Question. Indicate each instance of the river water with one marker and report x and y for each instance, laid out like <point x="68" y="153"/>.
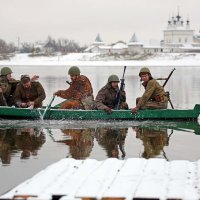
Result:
<point x="26" y="147"/>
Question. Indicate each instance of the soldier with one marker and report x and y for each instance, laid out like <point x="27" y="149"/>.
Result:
<point x="80" y="93"/>
<point x="106" y="97"/>
<point x="7" y="87"/>
<point x="29" y="93"/>
<point x="154" y="96"/>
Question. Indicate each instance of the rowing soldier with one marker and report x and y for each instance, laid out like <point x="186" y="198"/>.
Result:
<point x="154" y="96"/>
<point x="80" y="93"/>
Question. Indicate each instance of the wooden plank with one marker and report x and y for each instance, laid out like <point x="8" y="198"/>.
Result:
<point x="100" y="179"/>
<point x="153" y="181"/>
<point x="127" y="180"/>
<point x="69" y="185"/>
<point x="182" y="180"/>
<point x="134" y="178"/>
<point x="45" y="179"/>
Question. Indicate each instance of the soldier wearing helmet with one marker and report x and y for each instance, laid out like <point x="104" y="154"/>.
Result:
<point x="80" y="93"/>
<point x="7" y="87"/>
<point x="106" y="97"/>
<point x="29" y="93"/>
<point x="154" y="96"/>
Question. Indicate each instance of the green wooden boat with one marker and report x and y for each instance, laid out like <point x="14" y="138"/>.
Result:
<point x="59" y="114"/>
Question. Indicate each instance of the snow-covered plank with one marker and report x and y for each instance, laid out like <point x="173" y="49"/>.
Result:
<point x="128" y="179"/>
<point x="68" y="186"/>
<point x="100" y="179"/>
<point x="182" y="180"/>
<point x="153" y="182"/>
<point x="39" y="184"/>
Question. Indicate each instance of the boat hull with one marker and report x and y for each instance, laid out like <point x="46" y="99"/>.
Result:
<point x="60" y="114"/>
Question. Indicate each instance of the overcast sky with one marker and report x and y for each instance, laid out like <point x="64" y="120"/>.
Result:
<point x="82" y="20"/>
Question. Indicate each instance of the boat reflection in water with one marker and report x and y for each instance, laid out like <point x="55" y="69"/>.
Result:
<point x="26" y="141"/>
<point x="99" y="140"/>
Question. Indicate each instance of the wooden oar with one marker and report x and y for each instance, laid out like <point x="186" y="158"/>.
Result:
<point x="48" y="106"/>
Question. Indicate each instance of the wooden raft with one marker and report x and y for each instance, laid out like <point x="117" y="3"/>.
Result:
<point x="134" y="178"/>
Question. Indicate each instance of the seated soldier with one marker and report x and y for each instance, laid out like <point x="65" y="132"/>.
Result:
<point x="154" y="96"/>
<point x="29" y="93"/>
<point x="7" y="87"/>
<point x="106" y="98"/>
<point x="80" y="92"/>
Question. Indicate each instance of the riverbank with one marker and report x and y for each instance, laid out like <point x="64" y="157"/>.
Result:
<point x="89" y="59"/>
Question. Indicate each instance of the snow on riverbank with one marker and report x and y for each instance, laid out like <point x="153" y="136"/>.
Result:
<point x="91" y="59"/>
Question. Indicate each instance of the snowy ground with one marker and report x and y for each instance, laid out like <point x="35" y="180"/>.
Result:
<point x="90" y="59"/>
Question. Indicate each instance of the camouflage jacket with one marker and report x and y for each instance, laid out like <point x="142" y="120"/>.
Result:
<point x="79" y="89"/>
<point x="152" y="90"/>
<point x="35" y="93"/>
<point x="106" y="97"/>
<point x="8" y="88"/>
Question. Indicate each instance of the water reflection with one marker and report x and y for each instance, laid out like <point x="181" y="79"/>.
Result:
<point x="112" y="140"/>
<point x="27" y="141"/>
<point x="80" y="142"/>
<point x="154" y="140"/>
<point x="51" y="141"/>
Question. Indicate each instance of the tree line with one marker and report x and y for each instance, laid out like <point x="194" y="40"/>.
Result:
<point x="60" y="45"/>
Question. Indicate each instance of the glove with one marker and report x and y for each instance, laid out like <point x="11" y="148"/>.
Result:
<point x="108" y="110"/>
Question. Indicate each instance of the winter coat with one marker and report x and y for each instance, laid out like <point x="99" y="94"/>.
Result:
<point x="35" y="93"/>
<point x="153" y="92"/>
<point x="106" y="97"/>
<point x="8" y="88"/>
<point x="81" y="90"/>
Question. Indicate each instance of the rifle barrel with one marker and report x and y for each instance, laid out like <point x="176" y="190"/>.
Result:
<point x="166" y="83"/>
<point x="121" y="88"/>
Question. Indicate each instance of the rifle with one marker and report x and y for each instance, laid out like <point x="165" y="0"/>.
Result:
<point x="68" y="82"/>
<point x="120" y="89"/>
<point x="3" y="101"/>
<point x="167" y="79"/>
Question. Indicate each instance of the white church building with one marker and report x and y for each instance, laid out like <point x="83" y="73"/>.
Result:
<point x="177" y="37"/>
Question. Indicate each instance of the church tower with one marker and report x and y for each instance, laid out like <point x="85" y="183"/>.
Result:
<point x="178" y="32"/>
<point x="98" y="41"/>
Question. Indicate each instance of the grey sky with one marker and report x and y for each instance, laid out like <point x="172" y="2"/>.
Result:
<point x="81" y="20"/>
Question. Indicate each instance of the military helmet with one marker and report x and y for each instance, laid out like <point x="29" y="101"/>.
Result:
<point x="74" y="71"/>
<point x="5" y="71"/>
<point x="113" y="78"/>
<point x="144" y="70"/>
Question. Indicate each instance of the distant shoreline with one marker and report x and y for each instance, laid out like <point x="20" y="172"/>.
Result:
<point x="87" y="59"/>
